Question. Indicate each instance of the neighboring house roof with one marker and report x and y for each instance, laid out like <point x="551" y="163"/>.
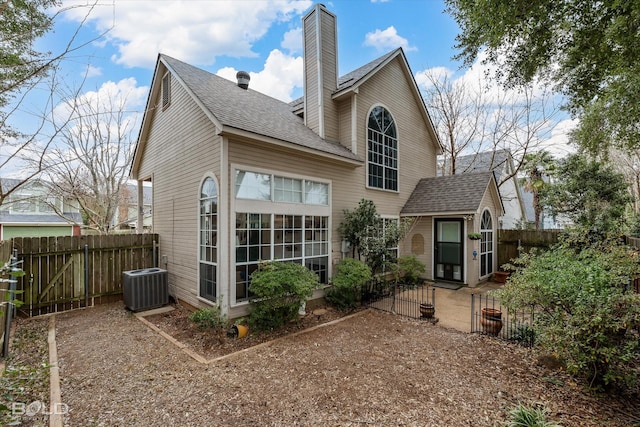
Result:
<point x="461" y="193"/>
<point x="48" y="219"/>
<point x="34" y="218"/>
<point x="481" y="162"/>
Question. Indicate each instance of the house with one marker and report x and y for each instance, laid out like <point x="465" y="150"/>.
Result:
<point x="126" y="217"/>
<point x="33" y="211"/>
<point x="239" y="177"/>
<point x="547" y="221"/>
<point x="500" y="162"/>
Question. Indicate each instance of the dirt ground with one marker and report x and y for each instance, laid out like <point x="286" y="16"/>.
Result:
<point x="371" y="369"/>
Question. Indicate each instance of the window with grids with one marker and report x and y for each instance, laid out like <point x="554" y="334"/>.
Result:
<point x="263" y="186"/>
<point x="486" y="244"/>
<point x="288" y="238"/>
<point x="208" y="239"/>
<point x="382" y="150"/>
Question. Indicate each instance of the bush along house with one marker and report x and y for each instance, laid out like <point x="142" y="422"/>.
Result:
<point x="239" y="177"/>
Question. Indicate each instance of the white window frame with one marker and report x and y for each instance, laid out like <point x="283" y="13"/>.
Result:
<point x="206" y="245"/>
<point x="384" y="155"/>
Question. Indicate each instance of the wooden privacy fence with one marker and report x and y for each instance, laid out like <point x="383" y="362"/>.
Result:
<point x="71" y="272"/>
<point x="512" y="242"/>
<point x="5" y="297"/>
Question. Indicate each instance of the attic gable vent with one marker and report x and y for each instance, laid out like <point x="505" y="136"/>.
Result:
<point x="166" y="92"/>
<point x="243" y="79"/>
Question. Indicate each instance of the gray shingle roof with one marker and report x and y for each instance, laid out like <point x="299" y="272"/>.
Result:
<point x="12" y="218"/>
<point x="351" y="78"/>
<point x="453" y="193"/>
<point x="481" y="162"/>
<point x="251" y="111"/>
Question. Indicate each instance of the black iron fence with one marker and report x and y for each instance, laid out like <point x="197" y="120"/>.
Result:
<point x="417" y="302"/>
<point x="490" y="318"/>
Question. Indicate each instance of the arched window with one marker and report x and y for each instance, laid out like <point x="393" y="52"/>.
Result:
<point x="382" y="150"/>
<point x="208" y="239"/>
<point x="486" y="244"/>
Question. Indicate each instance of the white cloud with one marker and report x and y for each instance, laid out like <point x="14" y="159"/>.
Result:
<point x="438" y="72"/>
<point x="388" y="39"/>
<point x="281" y="75"/>
<point x="292" y="40"/>
<point x="190" y="31"/>
<point x="92" y="71"/>
<point x="558" y="143"/>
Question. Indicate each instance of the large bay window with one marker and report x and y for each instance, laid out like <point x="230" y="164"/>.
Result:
<point x="300" y="235"/>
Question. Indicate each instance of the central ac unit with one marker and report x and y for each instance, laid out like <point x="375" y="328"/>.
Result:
<point x="145" y="289"/>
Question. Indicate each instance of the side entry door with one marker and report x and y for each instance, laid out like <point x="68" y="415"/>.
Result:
<point x="449" y="249"/>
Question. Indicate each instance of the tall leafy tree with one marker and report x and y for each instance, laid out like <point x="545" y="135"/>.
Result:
<point x="591" y="193"/>
<point x="588" y="48"/>
<point x="536" y="166"/>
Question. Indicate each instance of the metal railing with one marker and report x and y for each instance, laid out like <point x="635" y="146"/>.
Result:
<point x="490" y="318"/>
<point x="416" y="302"/>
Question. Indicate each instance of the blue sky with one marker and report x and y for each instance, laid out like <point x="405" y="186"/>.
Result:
<point x="120" y="39"/>
<point x="258" y="36"/>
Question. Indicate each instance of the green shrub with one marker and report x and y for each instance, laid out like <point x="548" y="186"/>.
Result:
<point x="522" y="416"/>
<point x="209" y="318"/>
<point x="347" y="283"/>
<point x="278" y="289"/>
<point x="410" y="269"/>
<point x="584" y="313"/>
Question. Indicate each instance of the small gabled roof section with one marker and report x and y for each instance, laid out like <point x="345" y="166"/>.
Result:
<point x="452" y="194"/>
<point x="246" y="112"/>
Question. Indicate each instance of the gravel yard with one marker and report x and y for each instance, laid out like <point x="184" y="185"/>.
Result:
<point x="371" y="369"/>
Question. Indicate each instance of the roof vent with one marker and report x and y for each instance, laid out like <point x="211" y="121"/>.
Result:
<point x="243" y="79"/>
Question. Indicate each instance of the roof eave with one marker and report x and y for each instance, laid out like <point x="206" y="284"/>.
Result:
<point x="228" y="130"/>
<point x="439" y="213"/>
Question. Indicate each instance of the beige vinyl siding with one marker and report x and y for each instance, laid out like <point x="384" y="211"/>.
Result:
<point x="329" y="75"/>
<point x="489" y="201"/>
<point x="422" y="226"/>
<point x="185" y="149"/>
<point x="344" y="128"/>
<point x="416" y="153"/>
<point x="311" y="117"/>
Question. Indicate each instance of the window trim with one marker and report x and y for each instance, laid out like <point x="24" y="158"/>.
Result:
<point x="397" y="150"/>
<point x="483" y="243"/>
<point x="273" y="175"/>
<point x="202" y="261"/>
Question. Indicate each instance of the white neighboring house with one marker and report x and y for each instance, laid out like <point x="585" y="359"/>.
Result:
<point x="500" y="162"/>
<point x="29" y="212"/>
<point x="547" y="221"/>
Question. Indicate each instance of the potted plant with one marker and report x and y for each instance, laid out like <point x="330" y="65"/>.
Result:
<point x="474" y="236"/>
<point x="500" y="276"/>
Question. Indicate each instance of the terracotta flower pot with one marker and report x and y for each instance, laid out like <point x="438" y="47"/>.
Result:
<point x="491" y="321"/>
<point x="500" y="276"/>
<point x="427" y="310"/>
